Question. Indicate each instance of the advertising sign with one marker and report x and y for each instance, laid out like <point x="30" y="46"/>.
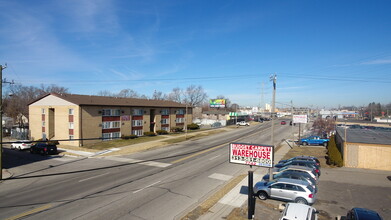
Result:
<point x="300" y="119"/>
<point x="217" y="103"/>
<point x="251" y="154"/>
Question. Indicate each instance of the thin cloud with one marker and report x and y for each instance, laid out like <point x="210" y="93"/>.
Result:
<point x="380" y="61"/>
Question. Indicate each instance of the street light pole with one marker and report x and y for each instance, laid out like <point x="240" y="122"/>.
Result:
<point x="274" y="79"/>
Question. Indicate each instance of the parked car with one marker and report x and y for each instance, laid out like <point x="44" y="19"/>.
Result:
<point x="314" y="140"/>
<point x="242" y="123"/>
<point x="21" y="145"/>
<point x="308" y="170"/>
<point x="286" y="189"/>
<point x="304" y="163"/>
<point x="283" y="122"/>
<point x="43" y="148"/>
<point x="294" y="175"/>
<point x="294" y="211"/>
<point x="360" y="214"/>
<point x="309" y="158"/>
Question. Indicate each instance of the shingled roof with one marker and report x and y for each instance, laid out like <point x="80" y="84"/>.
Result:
<point x="113" y="101"/>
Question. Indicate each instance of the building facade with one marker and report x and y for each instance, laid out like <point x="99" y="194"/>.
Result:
<point x="83" y="119"/>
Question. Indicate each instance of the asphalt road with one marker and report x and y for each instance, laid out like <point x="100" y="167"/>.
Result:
<point x="164" y="183"/>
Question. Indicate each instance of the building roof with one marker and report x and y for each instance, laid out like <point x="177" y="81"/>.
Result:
<point x="366" y="136"/>
<point x="112" y="101"/>
<point x="220" y="112"/>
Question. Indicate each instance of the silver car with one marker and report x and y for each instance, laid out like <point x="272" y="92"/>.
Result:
<point x="285" y="189"/>
<point x="308" y="170"/>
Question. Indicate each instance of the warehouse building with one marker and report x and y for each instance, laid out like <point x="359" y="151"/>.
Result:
<point x="365" y="148"/>
<point x="83" y="119"/>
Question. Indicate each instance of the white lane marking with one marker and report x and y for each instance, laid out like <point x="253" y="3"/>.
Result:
<point x="214" y="157"/>
<point x="93" y="177"/>
<point x="220" y="176"/>
<point x="146" y="187"/>
<point x="143" y="162"/>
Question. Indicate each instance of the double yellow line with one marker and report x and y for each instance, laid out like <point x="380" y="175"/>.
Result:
<point x="24" y="214"/>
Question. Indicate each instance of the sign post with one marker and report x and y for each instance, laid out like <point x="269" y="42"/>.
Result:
<point x="253" y="155"/>
<point x="301" y="119"/>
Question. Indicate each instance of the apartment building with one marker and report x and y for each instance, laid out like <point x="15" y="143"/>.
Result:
<point x="83" y="119"/>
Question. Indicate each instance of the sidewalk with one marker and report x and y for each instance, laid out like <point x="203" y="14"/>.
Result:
<point x="6" y="174"/>
<point x="236" y="198"/>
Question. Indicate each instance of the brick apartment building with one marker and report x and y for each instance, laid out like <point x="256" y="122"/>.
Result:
<point x="82" y="119"/>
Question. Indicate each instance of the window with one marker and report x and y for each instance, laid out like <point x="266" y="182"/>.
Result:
<point x="108" y="136"/>
<point x="180" y="120"/>
<point x="165" y="121"/>
<point x="110" y="124"/>
<point x="138" y="112"/>
<point x="71" y="125"/>
<point x="43" y="124"/>
<point x="136" y="123"/>
<point x="71" y="137"/>
<point x="111" y="112"/>
<point x="278" y="186"/>
<point x="165" y="112"/>
<point x="166" y="129"/>
<point x="137" y="132"/>
<point x="181" y="112"/>
<point x="71" y="111"/>
<point x="43" y="111"/>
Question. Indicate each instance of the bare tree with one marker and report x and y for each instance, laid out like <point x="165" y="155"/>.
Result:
<point x="19" y="97"/>
<point x="175" y="95"/>
<point x="105" y="93"/>
<point x="128" y="93"/>
<point x="157" y="95"/>
<point x="195" y="95"/>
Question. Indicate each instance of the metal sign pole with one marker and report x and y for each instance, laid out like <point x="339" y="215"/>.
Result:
<point x="251" y="202"/>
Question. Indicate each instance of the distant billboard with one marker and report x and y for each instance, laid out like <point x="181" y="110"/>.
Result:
<point x="217" y="103"/>
<point x="251" y="154"/>
<point x="300" y="119"/>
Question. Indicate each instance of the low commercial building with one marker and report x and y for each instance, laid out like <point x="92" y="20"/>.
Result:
<point x="365" y="148"/>
<point x="83" y="119"/>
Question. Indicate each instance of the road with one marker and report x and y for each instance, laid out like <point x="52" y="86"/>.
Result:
<point x="165" y="183"/>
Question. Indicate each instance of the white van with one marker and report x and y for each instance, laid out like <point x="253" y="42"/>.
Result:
<point x="296" y="211"/>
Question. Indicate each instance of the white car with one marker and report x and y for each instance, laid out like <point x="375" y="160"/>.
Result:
<point x="21" y="145"/>
<point x="295" y="211"/>
<point x="243" y="123"/>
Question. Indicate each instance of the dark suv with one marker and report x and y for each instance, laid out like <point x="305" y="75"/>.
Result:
<point x="360" y="214"/>
<point x="43" y="148"/>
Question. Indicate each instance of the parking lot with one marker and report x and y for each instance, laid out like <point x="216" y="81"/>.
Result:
<point x="341" y="189"/>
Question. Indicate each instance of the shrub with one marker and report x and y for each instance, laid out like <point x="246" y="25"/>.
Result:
<point x="193" y="126"/>
<point x="334" y="156"/>
<point x="161" y="132"/>
<point x="177" y="129"/>
<point x="127" y="137"/>
<point x="149" y="133"/>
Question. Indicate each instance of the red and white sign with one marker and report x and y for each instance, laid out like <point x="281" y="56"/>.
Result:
<point x="300" y="119"/>
<point x="251" y="154"/>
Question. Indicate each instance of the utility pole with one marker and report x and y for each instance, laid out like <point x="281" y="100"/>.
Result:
<point x="274" y="79"/>
<point x="1" y="117"/>
<point x="1" y="120"/>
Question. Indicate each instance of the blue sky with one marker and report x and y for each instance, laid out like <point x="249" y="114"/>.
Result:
<point x="325" y="53"/>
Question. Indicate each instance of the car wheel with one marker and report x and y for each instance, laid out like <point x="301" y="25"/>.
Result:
<point x="262" y="195"/>
<point x="325" y="144"/>
<point x="305" y="143"/>
<point x="42" y="152"/>
<point x="301" y="201"/>
<point x="20" y="149"/>
<point x="31" y="151"/>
